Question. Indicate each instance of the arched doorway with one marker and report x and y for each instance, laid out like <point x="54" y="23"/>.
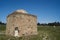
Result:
<point x="16" y="32"/>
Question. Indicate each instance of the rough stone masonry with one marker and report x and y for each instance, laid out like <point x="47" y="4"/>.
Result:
<point x="19" y="23"/>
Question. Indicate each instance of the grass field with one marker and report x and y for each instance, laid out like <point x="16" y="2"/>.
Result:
<point x="44" y="33"/>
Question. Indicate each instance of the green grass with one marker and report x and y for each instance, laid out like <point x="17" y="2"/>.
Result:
<point x="2" y="27"/>
<point x="53" y="33"/>
<point x="44" y="32"/>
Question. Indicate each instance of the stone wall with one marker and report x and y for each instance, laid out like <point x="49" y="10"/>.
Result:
<point x="26" y="23"/>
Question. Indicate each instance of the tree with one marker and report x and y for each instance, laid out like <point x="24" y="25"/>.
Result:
<point x="38" y="23"/>
<point x="0" y="22"/>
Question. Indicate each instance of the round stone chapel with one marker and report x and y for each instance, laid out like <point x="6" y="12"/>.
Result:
<point x="20" y="23"/>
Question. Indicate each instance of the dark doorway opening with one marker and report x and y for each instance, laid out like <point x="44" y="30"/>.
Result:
<point x="16" y="28"/>
<point x="16" y="32"/>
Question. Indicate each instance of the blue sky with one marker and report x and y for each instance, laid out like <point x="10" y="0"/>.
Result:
<point x="45" y="10"/>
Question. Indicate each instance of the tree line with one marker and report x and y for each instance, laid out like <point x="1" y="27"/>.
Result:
<point x="49" y="24"/>
<point x="1" y="23"/>
<point x="39" y="24"/>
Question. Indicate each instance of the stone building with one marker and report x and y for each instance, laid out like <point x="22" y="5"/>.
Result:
<point x="19" y="23"/>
